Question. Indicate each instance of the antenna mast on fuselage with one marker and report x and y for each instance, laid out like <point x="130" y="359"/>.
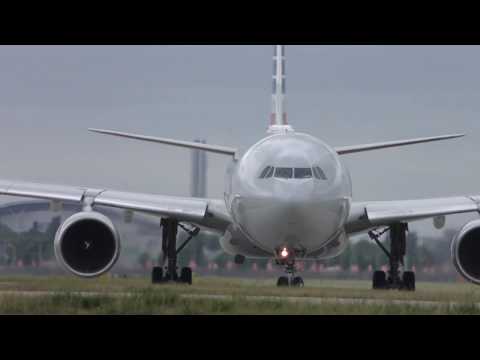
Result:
<point x="278" y="117"/>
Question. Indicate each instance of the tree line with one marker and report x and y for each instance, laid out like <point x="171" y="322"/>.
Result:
<point x="31" y="247"/>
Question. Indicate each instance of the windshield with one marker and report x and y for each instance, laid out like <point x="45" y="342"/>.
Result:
<point x="303" y="173"/>
<point x="284" y="173"/>
<point x="267" y="172"/>
<point x="319" y="174"/>
<point x="292" y="173"/>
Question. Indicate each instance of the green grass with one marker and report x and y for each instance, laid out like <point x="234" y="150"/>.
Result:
<point x="107" y="295"/>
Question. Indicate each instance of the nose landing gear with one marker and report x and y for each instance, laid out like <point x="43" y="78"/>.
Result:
<point x="289" y="280"/>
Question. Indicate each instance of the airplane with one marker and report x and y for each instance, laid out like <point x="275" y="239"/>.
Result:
<point x="287" y="198"/>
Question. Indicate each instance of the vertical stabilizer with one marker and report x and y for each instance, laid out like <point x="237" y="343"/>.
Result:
<point x="278" y="117"/>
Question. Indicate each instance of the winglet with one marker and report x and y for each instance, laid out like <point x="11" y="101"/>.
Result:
<point x="383" y="145"/>
<point x="186" y="144"/>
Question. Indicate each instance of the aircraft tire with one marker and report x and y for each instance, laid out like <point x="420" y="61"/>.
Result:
<point x="298" y="282"/>
<point x="379" y="280"/>
<point x="186" y="275"/>
<point x="282" y="281"/>
<point x="157" y="275"/>
<point x="409" y="280"/>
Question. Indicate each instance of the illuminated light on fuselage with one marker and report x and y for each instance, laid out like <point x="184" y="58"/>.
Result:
<point x="284" y="252"/>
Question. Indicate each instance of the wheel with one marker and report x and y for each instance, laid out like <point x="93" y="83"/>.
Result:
<point x="379" y="280"/>
<point x="157" y="275"/>
<point x="186" y="275"/>
<point x="282" y="281"/>
<point x="297" y="282"/>
<point x="409" y="280"/>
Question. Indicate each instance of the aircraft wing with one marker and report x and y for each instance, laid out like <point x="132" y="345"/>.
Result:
<point x="367" y="215"/>
<point x="209" y="213"/>
<point x="390" y="144"/>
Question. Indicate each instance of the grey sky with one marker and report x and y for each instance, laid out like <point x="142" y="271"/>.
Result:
<point x="344" y="95"/>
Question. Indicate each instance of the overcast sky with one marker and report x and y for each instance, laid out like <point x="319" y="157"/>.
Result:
<point x="343" y="95"/>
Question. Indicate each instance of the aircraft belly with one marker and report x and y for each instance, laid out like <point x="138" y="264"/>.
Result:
<point x="235" y="242"/>
<point x="331" y="248"/>
<point x="271" y="225"/>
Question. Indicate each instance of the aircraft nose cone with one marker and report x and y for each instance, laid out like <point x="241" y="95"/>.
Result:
<point x="294" y="194"/>
<point x="293" y="219"/>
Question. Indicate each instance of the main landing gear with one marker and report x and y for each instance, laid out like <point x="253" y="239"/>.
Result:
<point x="289" y="280"/>
<point x="392" y="279"/>
<point x="170" y="254"/>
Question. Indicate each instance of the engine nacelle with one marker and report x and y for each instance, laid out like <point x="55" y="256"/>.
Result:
<point x="465" y="249"/>
<point x="87" y="244"/>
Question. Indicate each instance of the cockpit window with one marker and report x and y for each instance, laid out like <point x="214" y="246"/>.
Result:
<point x="303" y="173"/>
<point x="284" y="173"/>
<point x="319" y="174"/>
<point x="293" y="173"/>
<point x="265" y="172"/>
<point x="270" y="172"/>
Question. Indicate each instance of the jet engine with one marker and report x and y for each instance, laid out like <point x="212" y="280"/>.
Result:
<point x="87" y="244"/>
<point x="465" y="249"/>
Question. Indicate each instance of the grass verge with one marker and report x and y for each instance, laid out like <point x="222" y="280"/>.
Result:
<point x="61" y="295"/>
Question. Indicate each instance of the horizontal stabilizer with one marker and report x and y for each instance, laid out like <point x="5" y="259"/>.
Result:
<point x="383" y="145"/>
<point x="186" y="144"/>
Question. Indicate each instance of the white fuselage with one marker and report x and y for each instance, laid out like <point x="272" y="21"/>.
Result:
<point x="290" y="190"/>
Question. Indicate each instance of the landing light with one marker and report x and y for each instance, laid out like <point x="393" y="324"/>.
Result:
<point x="284" y="252"/>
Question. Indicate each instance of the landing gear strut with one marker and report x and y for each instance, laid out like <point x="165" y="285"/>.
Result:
<point x="396" y="256"/>
<point x="170" y="254"/>
<point x="290" y="279"/>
